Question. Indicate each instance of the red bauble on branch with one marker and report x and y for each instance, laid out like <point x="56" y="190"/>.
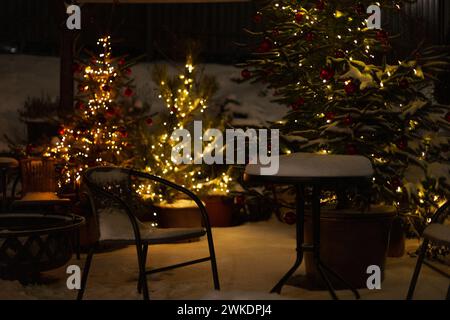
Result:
<point x="310" y="36"/>
<point x="351" y="149"/>
<point x="265" y="46"/>
<point x="80" y="105"/>
<point x="320" y="5"/>
<point x="246" y="74"/>
<point x="330" y="115"/>
<point x="395" y="183"/>
<point x="128" y="92"/>
<point x="298" y="17"/>
<point x="257" y="18"/>
<point x="348" y="120"/>
<point x="402" y="143"/>
<point x="149" y="121"/>
<point x="326" y="73"/>
<point x="350" y="88"/>
<point x="447" y="116"/>
<point x="339" y="54"/>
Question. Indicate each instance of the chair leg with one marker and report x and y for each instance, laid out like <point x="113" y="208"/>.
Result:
<point x="84" y="277"/>
<point x="142" y="274"/>
<point x="419" y="263"/>
<point x="141" y="278"/>
<point x="212" y="254"/>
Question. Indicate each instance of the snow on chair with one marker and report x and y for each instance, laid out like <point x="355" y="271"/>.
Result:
<point x="437" y="232"/>
<point x="110" y="192"/>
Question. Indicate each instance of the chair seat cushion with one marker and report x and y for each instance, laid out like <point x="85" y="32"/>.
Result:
<point x="115" y="225"/>
<point x="311" y="165"/>
<point x="438" y="233"/>
<point x="40" y="196"/>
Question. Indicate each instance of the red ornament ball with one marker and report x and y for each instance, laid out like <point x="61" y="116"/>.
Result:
<point x="351" y="149"/>
<point x="309" y="36"/>
<point x="298" y="17"/>
<point x="402" y="143"/>
<point x="257" y="18"/>
<point x="110" y="112"/>
<point x="81" y="88"/>
<point x="330" y="115"/>
<point x="348" y="120"/>
<point x="290" y="217"/>
<point x="396" y="182"/>
<point x="320" y="5"/>
<point x="246" y="74"/>
<point x="326" y="73"/>
<point x="447" y="116"/>
<point x="123" y="132"/>
<point x="128" y="92"/>
<point x="265" y="46"/>
<point x="149" y="121"/>
<point x="61" y="131"/>
<point x="80" y="105"/>
<point x="339" y="54"/>
<point x="350" y="88"/>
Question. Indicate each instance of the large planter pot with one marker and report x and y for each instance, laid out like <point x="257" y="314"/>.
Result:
<point x="397" y="239"/>
<point x="180" y="214"/>
<point x="220" y="210"/>
<point x="186" y="214"/>
<point x="350" y="241"/>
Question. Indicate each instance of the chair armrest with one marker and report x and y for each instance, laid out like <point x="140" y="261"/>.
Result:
<point x="175" y="186"/>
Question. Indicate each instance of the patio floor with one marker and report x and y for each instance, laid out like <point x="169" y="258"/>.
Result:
<point x="251" y="258"/>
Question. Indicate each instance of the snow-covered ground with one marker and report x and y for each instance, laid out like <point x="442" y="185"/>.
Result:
<point x="251" y="259"/>
<point x="23" y="76"/>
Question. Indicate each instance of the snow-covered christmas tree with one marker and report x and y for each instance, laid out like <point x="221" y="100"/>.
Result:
<point x="348" y="95"/>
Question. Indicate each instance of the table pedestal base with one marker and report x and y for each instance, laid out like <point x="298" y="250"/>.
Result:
<point x="324" y="271"/>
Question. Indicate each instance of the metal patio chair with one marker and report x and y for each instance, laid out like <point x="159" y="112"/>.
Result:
<point x="437" y="233"/>
<point x="110" y="192"/>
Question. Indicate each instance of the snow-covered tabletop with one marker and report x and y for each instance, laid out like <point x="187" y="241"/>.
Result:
<point x="311" y="165"/>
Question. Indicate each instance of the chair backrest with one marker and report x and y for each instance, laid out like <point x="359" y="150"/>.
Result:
<point x="111" y="194"/>
<point x="38" y="175"/>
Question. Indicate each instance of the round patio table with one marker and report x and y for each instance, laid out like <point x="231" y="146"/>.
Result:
<point x="316" y="171"/>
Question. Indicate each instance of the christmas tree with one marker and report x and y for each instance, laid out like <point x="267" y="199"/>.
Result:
<point x="186" y="97"/>
<point x="98" y="131"/>
<point x="348" y="95"/>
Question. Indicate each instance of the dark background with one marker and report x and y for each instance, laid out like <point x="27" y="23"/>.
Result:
<point x="159" y="30"/>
